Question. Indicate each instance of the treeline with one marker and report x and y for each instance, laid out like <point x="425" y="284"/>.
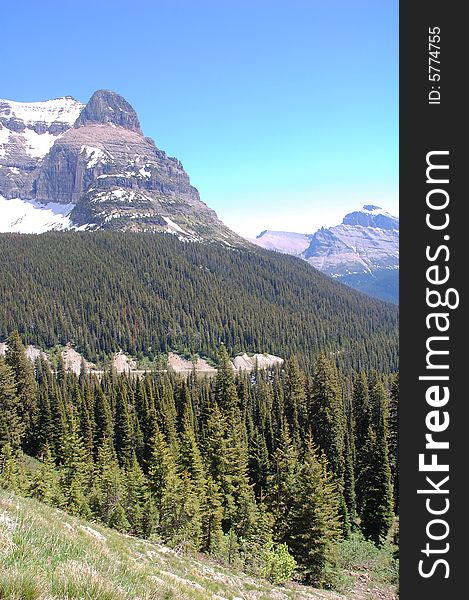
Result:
<point x="229" y="465"/>
<point x="150" y="294"/>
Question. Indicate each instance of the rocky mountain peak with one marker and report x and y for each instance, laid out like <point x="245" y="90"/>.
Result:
<point x="108" y="108"/>
<point x="371" y="216"/>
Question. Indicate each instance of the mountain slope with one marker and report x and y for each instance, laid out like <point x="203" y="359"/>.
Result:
<point x="91" y="167"/>
<point x="46" y="553"/>
<point x="362" y="252"/>
<point x="106" y="291"/>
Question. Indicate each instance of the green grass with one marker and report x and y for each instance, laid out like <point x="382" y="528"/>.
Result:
<point x="46" y="554"/>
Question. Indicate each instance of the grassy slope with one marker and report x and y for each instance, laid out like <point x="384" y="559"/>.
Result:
<point x="46" y="554"/>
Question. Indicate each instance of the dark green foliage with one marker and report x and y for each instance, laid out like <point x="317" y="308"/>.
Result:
<point x="224" y="465"/>
<point x="329" y="427"/>
<point x="361" y="427"/>
<point x="123" y="432"/>
<point x="394" y="438"/>
<point x="11" y="424"/>
<point x="148" y="293"/>
<point x="46" y="482"/>
<point x="313" y="526"/>
<point x="377" y="500"/>
<point x="16" y="359"/>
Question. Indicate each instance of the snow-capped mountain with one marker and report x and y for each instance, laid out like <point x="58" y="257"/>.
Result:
<point x="363" y="251"/>
<point x="283" y="241"/>
<point x="65" y="165"/>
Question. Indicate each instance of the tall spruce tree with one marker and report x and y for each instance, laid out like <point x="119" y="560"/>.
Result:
<point x="75" y="469"/>
<point x="377" y="507"/>
<point x="11" y="424"/>
<point x="394" y="438"/>
<point x="15" y="357"/>
<point x="362" y="422"/>
<point x="313" y="527"/>
<point x="328" y="423"/>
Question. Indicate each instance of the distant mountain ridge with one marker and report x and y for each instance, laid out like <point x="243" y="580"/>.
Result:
<point x="66" y="165"/>
<point x="362" y="252"/>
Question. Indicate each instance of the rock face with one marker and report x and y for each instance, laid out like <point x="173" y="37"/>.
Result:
<point x="28" y="130"/>
<point x="106" y="107"/>
<point x="95" y="161"/>
<point x="362" y="252"/>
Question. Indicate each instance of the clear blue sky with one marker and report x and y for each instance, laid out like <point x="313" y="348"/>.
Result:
<point x="284" y="114"/>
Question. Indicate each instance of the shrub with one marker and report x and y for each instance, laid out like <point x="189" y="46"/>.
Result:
<point x="279" y="564"/>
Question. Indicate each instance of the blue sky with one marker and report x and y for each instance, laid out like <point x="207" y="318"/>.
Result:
<point x="284" y="114"/>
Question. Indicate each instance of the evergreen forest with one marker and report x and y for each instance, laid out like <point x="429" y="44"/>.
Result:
<point x="289" y="459"/>
<point x="151" y="294"/>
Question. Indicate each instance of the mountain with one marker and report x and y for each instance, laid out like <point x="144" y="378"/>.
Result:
<point x="65" y="165"/>
<point x="106" y="291"/>
<point x="283" y="241"/>
<point x="362" y="252"/>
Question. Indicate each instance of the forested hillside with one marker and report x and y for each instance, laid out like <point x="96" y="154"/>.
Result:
<point x="148" y="294"/>
<point x="274" y="462"/>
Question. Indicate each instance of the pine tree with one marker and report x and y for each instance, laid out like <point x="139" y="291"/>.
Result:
<point x="212" y="517"/>
<point x="123" y="434"/>
<point x="394" y="438"/>
<point x="377" y="508"/>
<point x="295" y="397"/>
<point x="46" y="482"/>
<point x="108" y="494"/>
<point x="313" y="524"/>
<point x="361" y="412"/>
<point x="328" y="424"/>
<point x="15" y="357"/>
<point x="283" y="481"/>
<point x="75" y="469"/>
<point x="13" y="474"/>
<point x="103" y="418"/>
<point x="59" y="421"/>
<point x="139" y="508"/>
<point x="11" y="425"/>
<point x="226" y="394"/>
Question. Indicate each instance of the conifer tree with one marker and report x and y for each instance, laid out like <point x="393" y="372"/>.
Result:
<point x="212" y="517"/>
<point x="393" y="443"/>
<point x="377" y="508"/>
<point x="108" y="494"/>
<point x="13" y="474"/>
<point x="11" y="425"/>
<point x="362" y="423"/>
<point x="123" y="434"/>
<point x="313" y="523"/>
<point x="138" y="505"/>
<point x="259" y="464"/>
<point x="283" y="481"/>
<point x="44" y="426"/>
<point x="295" y="396"/>
<point x="15" y="357"/>
<point x="59" y="421"/>
<point x="75" y="469"/>
<point x="46" y="482"/>
<point x="103" y="418"/>
<point x="328" y="424"/>
<point x="189" y="458"/>
<point x="226" y="394"/>
<point x="86" y="416"/>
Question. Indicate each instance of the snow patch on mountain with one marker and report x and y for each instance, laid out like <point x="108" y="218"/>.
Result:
<point x="28" y="216"/>
<point x="58" y="110"/>
<point x="94" y="156"/>
<point x="37" y="145"/>
<point x="174" y="226"/>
